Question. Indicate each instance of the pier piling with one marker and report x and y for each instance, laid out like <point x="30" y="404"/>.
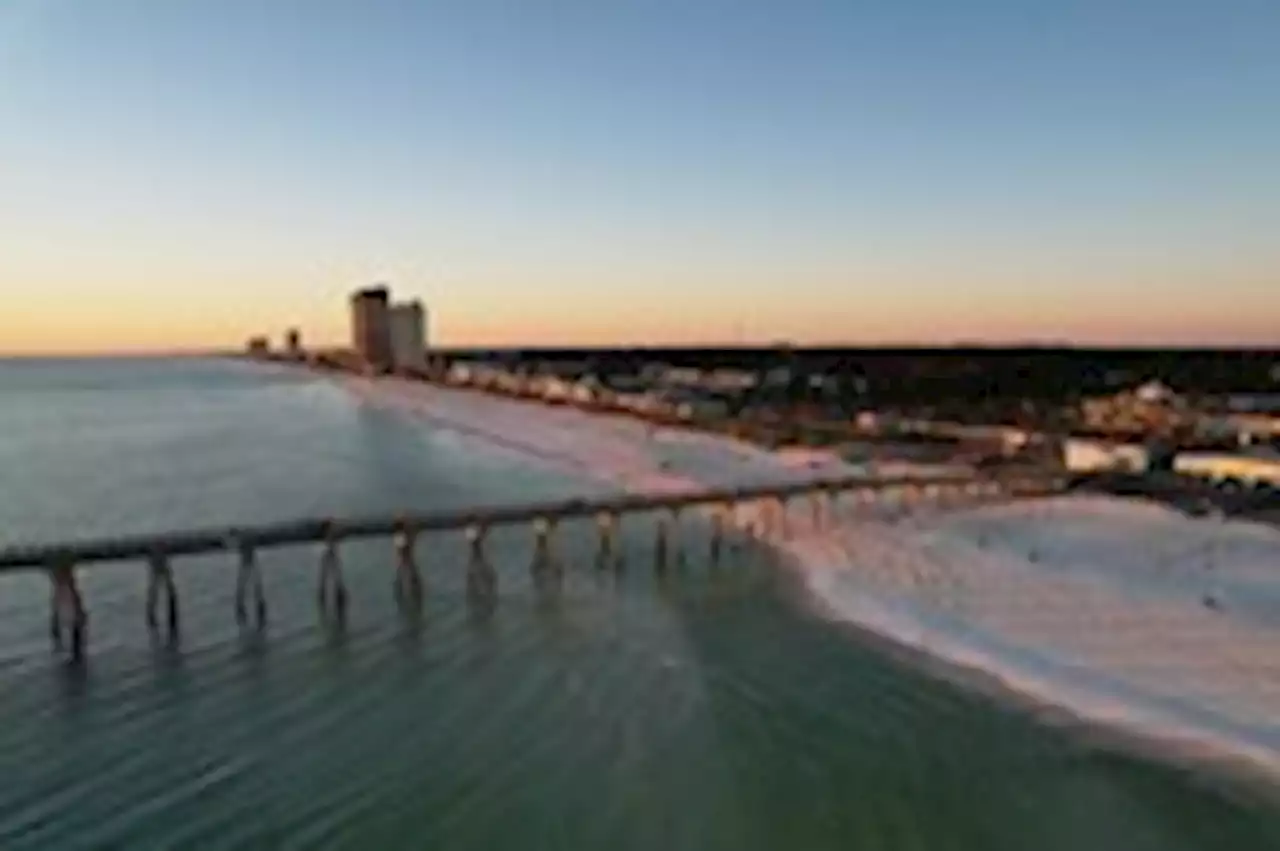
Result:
<point x="763" y="517"/>
<point x="67" y="605"/>
<point x="660" y="545"/>
<point x="331" y="583"/>
<point x="541" y="541"/>
<point x="607" y="524"/>
<point x="160" y="581"/>
<point x="482" y="581"/>
<point x="408" y="582"/>
<point x="718" y="518"/>
<point x="677" y="540"/>
<point x="475" y="534"/>
<point x="248" y="577"/>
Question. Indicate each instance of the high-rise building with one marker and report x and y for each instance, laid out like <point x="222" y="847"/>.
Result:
<point x="371" y="326"/>
<point x="408" y="335"/>
<point x="293" y="343"/>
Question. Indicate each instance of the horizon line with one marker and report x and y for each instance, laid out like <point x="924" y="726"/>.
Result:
<point x="955" y="345"/>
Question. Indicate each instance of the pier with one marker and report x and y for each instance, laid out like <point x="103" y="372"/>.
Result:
<point x="69" y="616"/>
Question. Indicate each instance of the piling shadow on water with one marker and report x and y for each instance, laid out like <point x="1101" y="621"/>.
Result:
<point x="335" y="635"/>
<point x="480" y="612"/>
<point x="253" y="647"/>
<point x="166" y="643"/>
<point x="73" y="680"/>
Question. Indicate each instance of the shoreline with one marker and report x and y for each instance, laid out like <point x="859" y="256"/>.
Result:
<point x="1236" y="776"/>
<point x="1044" y="697"/>
<point x="1233" y="773"/>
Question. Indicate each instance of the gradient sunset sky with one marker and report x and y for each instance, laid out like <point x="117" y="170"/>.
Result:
<point x="183" y="173"/>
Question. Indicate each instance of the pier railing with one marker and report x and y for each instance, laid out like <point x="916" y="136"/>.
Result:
<point x="61" y="560"/>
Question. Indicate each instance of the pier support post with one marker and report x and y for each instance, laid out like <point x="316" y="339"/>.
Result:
<point x="408" y="581"/>
<point x="763" y="519"/>
<point x="541" y="538"/>
<point x="67" y="606"/>
<point x="677" y="541"/>
<point x="740" y="532"/>
<point x="248" y="576"/>
<point x="783" y="505"/>
<point x="608" y="524"/>
<point x="547" y="570"/>
<point x="833" y="495"/>
<point x="331" y="576"/>
<point x="476" y="534"/>
<point x="543" y="528"/>
<point x="717" y="531"/>
<point x="660" y="543"/>
<point x="815" y="508"/>
<point x="160" y="580"/>
<point x="482" y="581"/>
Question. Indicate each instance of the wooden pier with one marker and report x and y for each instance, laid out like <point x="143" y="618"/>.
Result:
<point x="62" y="560"/>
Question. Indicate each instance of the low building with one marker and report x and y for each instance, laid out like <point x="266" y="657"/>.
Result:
<point x="701" y="409"/>
<point x="258" y="347"/>
<point x="1080" y="455"/>
<point x="868" y="421"/>
<point x="732" y="380"/>
<point x="584" y="393"/>
<point x="556" y="389"/>
<point x="1156" y="393"/>
<point x="1253" y="403"/>
<point x="1248" y="469"/>
<point x="1243" y="429"/>
<point x="1149" y="408"/>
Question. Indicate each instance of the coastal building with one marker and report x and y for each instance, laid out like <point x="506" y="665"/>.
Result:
<point x="1248" y="468"/>
<point x="1150" y="408"/>
<point x="407" y="324"/>
<point x="1240" y="429"/>
<point x="258" y="346"/>
<point x="293" y="343"/>
<point x="371" y="327"/>
<point x="1096" y="456"/>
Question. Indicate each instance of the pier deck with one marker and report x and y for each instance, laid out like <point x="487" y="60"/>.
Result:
<point x="69" y="616"/>
<point x="317" y="530"/>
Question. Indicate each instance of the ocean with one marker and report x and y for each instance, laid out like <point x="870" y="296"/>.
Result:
<point x="709" y="709"/>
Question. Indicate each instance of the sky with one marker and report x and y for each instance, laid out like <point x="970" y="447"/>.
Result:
<point x="181" y="174"/>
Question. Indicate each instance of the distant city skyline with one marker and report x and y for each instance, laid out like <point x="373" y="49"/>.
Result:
<point x="181" y="176"/>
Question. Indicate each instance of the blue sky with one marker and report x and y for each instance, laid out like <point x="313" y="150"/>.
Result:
<point x="182" y="173"/>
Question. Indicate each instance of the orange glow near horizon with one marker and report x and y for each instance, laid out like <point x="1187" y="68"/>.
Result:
<point x="199" y="328"/>
<point x="225" y="298"/>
